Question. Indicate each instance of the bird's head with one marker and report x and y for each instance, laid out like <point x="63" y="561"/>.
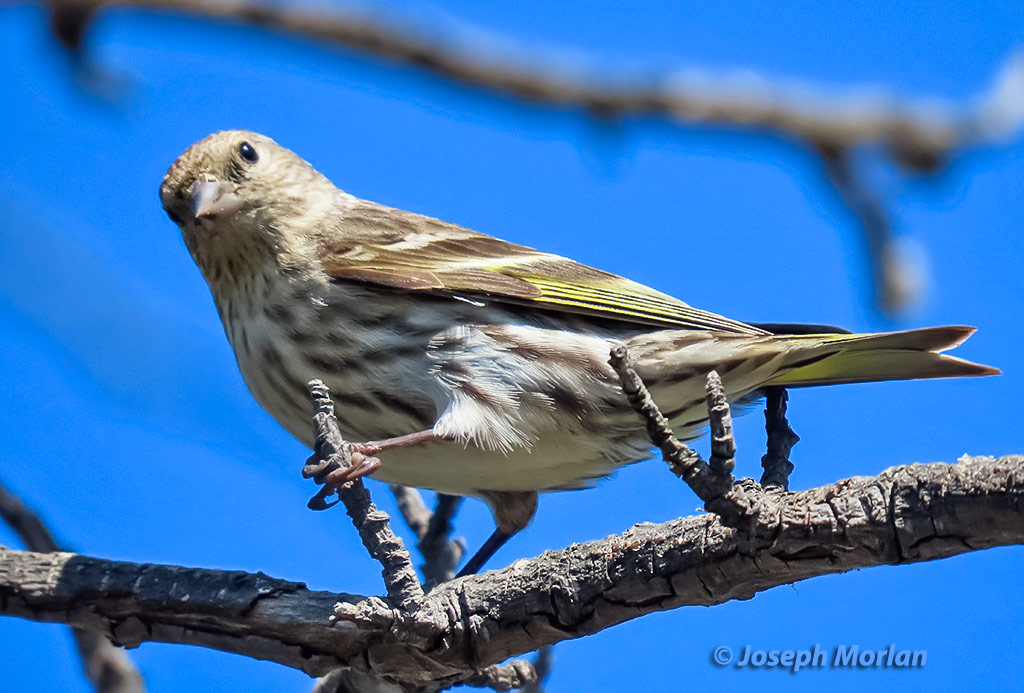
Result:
<point x="241" y="199"/>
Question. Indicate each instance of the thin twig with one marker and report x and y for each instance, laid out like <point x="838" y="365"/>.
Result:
<point x="353" y="680"/>
<point x="714" y="486"/>
<point x="894" y="282"/>
<point x="542" y="665"/>
<point x="26" y="524"/>
<point x="374" y="527"/>
<point x="781" y="439"/>
<point x="684" y="462"/>
<point x="330" y="683"/>
<point x="723" y="445"/>
<point x="504" y="677"/>
<point x="108" y="667"/>
<point x="441" y="554"/>
<point x="414" y="511"/>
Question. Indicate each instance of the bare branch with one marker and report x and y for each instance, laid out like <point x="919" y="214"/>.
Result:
<point x="723" y="445"/>
<point x="713" y="484"/>
<point x="414" y="510"/>
<point x="441" y="554"/>
<point x="542" y="664"/>
<point x="353" y="681"/>
<point x="129" y="603"/>
<point x="108" y="667"/>
<point x="334" y="454"/>
<point x="504" y="677"/>
<point x="893" y="282"/>
<point x="25" y="523"/>
<point x="781" y="440"/>
<point x="904" y="515"/>
<point x="920" y="136"/>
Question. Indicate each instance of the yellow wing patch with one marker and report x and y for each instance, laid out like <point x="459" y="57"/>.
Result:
<point x="631" y="301"/>
<point x="451" y="260"/>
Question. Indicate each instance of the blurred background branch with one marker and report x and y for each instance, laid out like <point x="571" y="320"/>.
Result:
<point x="917" y="136"/>
<point x="107" y="666"/>
<point x="441" y="554"/>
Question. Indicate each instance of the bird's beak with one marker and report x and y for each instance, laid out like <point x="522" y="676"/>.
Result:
<point x="211" y="199"/>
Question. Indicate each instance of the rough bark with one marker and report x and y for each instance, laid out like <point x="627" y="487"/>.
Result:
<point x="903" y="515"/>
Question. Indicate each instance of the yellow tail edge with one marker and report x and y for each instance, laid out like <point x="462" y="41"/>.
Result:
<point x="858" y="358"/>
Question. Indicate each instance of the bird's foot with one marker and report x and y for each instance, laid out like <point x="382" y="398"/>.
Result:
<point x="335" y="471"/>
<point x="355" y="461"/>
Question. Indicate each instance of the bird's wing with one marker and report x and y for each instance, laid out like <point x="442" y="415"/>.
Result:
<point x="407" y="251"/>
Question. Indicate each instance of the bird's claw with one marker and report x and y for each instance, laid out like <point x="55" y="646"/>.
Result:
<point x="334" y="471"/>
<point x="319" y="501"/>
<point x="317" y="466"/>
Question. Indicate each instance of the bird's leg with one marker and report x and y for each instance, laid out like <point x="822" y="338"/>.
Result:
<point x="375" y="447"/>
<point x="484" y="553"/>
<point x="512" y="510"/>
<point x="358" y="460"/>
<point x="362" y="460"/>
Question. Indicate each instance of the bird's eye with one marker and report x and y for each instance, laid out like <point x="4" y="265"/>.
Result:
<point x="248" y="152"/>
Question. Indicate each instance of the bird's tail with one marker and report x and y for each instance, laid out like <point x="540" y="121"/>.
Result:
<point x="829" y="359"/>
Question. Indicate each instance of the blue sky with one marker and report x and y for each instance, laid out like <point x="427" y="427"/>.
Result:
<point x="126" y="422"/>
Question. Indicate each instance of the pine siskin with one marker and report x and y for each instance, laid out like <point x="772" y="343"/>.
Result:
<point x="495" y="353"/>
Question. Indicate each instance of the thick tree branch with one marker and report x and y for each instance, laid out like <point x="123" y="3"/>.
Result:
<point x="903" y="515"/>
<point x="130" y="603"/>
